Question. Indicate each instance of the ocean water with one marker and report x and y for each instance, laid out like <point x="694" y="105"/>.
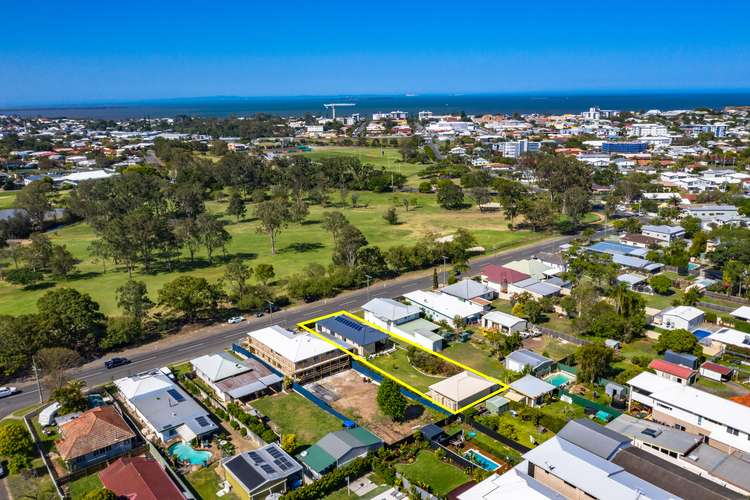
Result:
<point x="368" y="104"/>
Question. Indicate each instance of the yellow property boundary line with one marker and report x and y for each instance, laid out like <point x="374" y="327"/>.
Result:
<point x="304" y="325"/>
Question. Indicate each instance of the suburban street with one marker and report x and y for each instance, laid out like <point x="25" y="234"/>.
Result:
<point x="187" y="346"/>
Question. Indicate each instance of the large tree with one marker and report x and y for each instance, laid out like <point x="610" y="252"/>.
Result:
<point x="72" y="319"/>
<point x="679" y="340"/>
<point x="20" y="338"/>
<point x="273" y="215"/>
<point x="390" y="400"/>
<point x="133" y="299"/>
<point x="34" y="198"/>
<point x="191" y="296"/>
<point x="593" y="361"/>
<point x="236" y="277"/>
<point x="347" y="246"/>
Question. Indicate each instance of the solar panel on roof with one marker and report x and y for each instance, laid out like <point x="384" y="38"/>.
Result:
<point x="176" y="395"/>
<point x="267" y="468"/>
<point x="274" y="452"/>
<point x="202" y="421"/>
<point x="283" y="463"/>
<point x="256" y="458"/>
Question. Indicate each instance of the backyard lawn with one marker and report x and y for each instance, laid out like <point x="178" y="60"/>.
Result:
<point x="293" y="414"/>
<point x="79" y="487"/>
<point x="397" y="364"/>
<point x="206" y="483"/>
<point x="474" y="356"/>
<point x="38" y="488"/>
<point x="428" y="469"/>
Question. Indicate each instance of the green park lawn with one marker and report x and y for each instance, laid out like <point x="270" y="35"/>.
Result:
<point x="7" y="199"/>
<point x="293" y="414"/>
<point x="297" y="246"/>
<point x="388" y="158"/>
<point x="429" y="469"/>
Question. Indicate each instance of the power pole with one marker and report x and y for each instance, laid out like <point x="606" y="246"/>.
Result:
<point x="445" y="271"/>
<point x="36" y="376"/>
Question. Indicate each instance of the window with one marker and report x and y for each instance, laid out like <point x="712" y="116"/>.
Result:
<point x="733" y="431"/>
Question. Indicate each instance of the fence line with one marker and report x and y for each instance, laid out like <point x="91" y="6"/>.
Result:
<point x="728" y="298"/>
<point x="562" y="336"/>
<point x="716" y="307"/>
<point x="318" y="402"/>
<point x="37" y="443"/>
<point x="356" y="365"/>
<point x="592" y="405"/>
<point x="497" y="437"/>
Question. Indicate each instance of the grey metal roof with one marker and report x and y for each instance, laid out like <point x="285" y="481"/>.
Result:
<point x="389" y="309"/>
<point x="339" y="443"/>
<point x="527" y="357"/>
<point x="732" y="468"/>
<point x="352" y="330"/>
<point x="531" y="386"/>
<point x="543" y="289"/>
<point x="664" y="229"/>
<point x="466" y="289"/>
<point x="593" y="437"/>
<point x="654" y="434"/>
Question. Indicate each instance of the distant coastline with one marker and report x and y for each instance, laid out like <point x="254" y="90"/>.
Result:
<point x="368" y="104"/>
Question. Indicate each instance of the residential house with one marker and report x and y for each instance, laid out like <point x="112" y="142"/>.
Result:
<point x="523" y="359"/>
<point x="403" y="320"/>
<point x="471" y="291"/>
<point x="532" y="267"/>
<point x="681" y="318"/>
<point x="741" y="313"/>
<point x="553" y="261"/>
<point x="267" y="472"/>
<point x="724" y="338"/>
<point x="530" y="391"/>
<point x="674" y="372"/>
<point x="139" y="478"/>
<point x="725" y="424"/>
<point x="337" y="449"/>
<point x="164" y="408"/>
<point x="439" y="307"/>
<point x="499" y="277"/>
<point x="503" y="322"/>
<point x="537" y="289"/>
<point x="356" y="336"/>
<point x="512" y="485"/>
<point x="715" y="371"/>
<point x="640" y="240"/>
<point x="300" y="356"/>
<point x="461" y="390"/>
<point x="706" y="211"/>
<point x="95" y="436"/>
<point x="663" y="233"/>
<point x="233" y="379"/>
<point x="594" y="438"/>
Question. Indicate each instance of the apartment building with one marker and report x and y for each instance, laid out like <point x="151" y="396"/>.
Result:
<point x="723" y="423"/>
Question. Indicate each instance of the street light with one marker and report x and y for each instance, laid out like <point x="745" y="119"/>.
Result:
<point x="445" y="271"/>
<point x="270" y="307"/>
<point x="368" y="286"/>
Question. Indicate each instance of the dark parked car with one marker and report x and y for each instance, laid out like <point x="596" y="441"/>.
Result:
<point x="115" y="362"/>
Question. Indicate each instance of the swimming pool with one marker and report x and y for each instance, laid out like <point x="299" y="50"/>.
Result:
<point x="186" y="453"/>
<point x="559" y="379"/>
<point x="701" y="334"/>
<point x="485" y="463"/>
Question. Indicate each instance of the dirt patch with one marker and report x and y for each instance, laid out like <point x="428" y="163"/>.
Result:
<point x="357" y="400"/>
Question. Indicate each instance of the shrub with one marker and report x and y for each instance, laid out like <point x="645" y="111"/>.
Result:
<point x="425" y="187"/>
<point x="331" y="481"/>
<point x="709" y="317"/>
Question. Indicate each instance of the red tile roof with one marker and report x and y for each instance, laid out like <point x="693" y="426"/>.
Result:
<point x="723" y="370"/>
<point x="500" y="274"/>
<point x="92" y="430"/>
<point x="139" y="478"/>
<point x="665" y="366"/>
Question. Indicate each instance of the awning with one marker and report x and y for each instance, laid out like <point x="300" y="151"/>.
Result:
<point x="186" y="433"/>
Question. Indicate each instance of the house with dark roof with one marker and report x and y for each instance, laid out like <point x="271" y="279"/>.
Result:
<point x="594" y="438"/>
<point x="95" y="436"/>
<point x="715" y="371"/>
<point x="355" y="336"/>
<point x="139" y="478"/>
<point x="339" y="448"/>
<point x="267" y="472"/>
<point x="499" y="277"/>
<point x="471" y="291"/>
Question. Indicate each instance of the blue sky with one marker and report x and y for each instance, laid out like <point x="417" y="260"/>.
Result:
<point x="75" y="51"/>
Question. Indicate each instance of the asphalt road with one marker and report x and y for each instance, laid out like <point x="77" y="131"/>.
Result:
<point x="194" y="345"/>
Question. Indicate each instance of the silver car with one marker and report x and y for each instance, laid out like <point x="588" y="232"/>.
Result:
<point x="7" y="391"/>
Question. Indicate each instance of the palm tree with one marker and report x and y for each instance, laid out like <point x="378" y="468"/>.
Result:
<point x="619" y="293"/>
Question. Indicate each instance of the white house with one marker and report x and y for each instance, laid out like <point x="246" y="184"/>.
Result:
<point x="505" y="323"/>
<point x="724" y="423"/>
<point x="233" y="379"/>
<point x="403" y="320"/>
<point x="663" y="233"/>
<point x="164" y="408"/>
<point x="443" y="307"/>
<point x="521" y="359"/>
<point x="705" y="211"/>
<point x="471" y="291"/>
<point x="681" y="317"/>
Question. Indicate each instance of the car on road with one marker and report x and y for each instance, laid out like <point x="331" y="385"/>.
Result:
<point x="235" y="319"/>
<point x="115" y="362"/>
<point x="259" y="314"/>
<point x="7" y="391"/>
<point x="3" y="472"/>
